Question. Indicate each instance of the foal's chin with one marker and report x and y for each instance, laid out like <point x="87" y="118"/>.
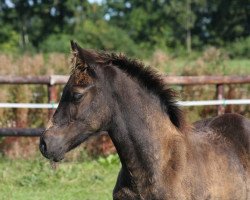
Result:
<point x="57" y="158"/>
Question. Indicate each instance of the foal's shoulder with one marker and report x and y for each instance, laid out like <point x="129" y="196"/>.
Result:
<point x="234" y="127"/>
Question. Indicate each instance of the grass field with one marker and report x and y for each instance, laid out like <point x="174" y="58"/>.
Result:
<point x="36" y="180"/>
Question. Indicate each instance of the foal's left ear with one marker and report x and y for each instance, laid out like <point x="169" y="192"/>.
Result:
<point x="87" y="57"/>
<point x="74" y="46"/>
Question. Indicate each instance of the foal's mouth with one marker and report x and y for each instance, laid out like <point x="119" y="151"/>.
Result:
<point x="54" y="157"/>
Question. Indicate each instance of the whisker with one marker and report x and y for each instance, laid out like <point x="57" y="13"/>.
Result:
<point x="53" y="164"/>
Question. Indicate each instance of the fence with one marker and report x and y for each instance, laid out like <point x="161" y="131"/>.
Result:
<point x="52" y="81"/>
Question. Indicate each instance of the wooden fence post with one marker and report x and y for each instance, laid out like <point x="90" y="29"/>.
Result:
<point x="220" y="96"/>
<point x="52" y="96"/>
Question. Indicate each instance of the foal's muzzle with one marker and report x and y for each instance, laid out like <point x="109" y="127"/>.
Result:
<point x="52" y="147"/>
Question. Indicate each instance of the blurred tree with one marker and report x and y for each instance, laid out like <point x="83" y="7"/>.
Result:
<point x="8" y="37"/>
<point x="164" y="24"/>
<point x="34" y="20"/>
<point x="223" y="21"/>
<point x="87" y="25"/>
<point x="160" y="22"/>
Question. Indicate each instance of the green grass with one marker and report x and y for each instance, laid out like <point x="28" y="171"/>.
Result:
<point x="239" y="67"/>
<point x="35" y="180"/>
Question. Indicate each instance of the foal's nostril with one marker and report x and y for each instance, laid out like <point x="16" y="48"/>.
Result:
<point x="43" y="147"/>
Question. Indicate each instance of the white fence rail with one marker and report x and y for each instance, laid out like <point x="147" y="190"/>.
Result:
<point x="180" y="103"/>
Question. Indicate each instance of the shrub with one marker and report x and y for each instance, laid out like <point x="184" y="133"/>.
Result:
<point x="56" y="43"/>
<point x="9" y="39"/>
<point x="100" y="35"/>
<point x="240" y="48"/>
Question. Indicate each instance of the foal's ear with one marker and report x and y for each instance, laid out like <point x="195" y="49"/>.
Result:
<point x="74" y="46"/>
<point x="87" y="57"/>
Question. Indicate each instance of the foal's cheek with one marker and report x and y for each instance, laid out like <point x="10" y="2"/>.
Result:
<point x="97" y="121"/>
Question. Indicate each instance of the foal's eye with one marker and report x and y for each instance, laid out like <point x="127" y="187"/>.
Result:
<point x="77" y="96"/>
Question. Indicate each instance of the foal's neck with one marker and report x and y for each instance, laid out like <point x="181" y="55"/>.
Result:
<point x="142" y="134"/>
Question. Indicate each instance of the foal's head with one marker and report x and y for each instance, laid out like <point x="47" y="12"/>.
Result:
<point x="83" y="109"/>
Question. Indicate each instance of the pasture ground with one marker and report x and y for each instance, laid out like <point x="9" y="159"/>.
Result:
<point x="36" y="180"/>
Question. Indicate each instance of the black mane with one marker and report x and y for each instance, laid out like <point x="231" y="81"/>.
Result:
<point x="153" y="81"/>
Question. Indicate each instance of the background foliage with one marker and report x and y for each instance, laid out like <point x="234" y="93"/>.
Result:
<point x="177" y="26"/>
